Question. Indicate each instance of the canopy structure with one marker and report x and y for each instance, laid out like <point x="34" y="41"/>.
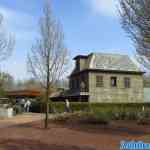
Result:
<point x="23" y="93"/>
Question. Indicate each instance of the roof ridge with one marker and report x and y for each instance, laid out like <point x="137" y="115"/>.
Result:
<point x="105" y="53"/>
<point x="112" y="61"/>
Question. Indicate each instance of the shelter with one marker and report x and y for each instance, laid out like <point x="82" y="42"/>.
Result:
<point x="23" y="93"/>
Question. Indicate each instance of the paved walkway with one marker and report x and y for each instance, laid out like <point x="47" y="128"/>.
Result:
<point x="20" y="119"/>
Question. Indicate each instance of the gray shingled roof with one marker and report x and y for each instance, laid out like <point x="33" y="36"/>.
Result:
<point x="111" y="62"/>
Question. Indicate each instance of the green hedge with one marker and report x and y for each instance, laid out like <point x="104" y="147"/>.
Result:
<point x="59" y="107"/>
<point x="115" y="111"/>
<point x="17" y="109"/>
<point x="37" y="107"/>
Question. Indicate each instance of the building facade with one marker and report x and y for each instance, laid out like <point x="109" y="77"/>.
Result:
<point x="104" y="78"/>
<point x="100" y="77"/>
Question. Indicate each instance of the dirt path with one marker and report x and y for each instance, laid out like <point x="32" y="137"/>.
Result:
<point x="27" y="133"/>
<point x="20" y="119"/>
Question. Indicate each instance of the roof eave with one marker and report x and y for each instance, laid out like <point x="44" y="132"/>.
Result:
<point x="108" y="71"/>
<point x="80" y="56"/>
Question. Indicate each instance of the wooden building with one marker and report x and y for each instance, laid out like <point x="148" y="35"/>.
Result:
<point x="105" y="78"/>
<point x="23" y="93"/>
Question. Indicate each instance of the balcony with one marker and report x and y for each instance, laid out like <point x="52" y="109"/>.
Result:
<point x="78" y="92"/>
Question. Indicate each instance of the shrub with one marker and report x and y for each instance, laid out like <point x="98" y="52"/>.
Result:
<point x="122" y="115"/>
<point x="37" y="107"/>
<point x="83" y="117"/>
<point x="57" y="107"/>
<point x="17" y="109"/>
<point x="80" y="106"/>
<point x="132" y="115"/>
<point x="117" y="111"/>
<point x="97" y="117"/>
<point x="143" y="118"/>
<point x="61" y="118"/>
<point x="101" y="117"/>
<point x="115" y="116"/>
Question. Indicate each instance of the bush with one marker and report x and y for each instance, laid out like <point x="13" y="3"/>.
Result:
<point x="57" y="107"/>
<point x="80" y="106"/>
<point x="143" y="118"/>
<point x="118" y="111"/>
<point x="101" y="117"/>
<point x="132" y="115"/>
<point x="83" y="117"/>
<point x="37" y="107"/>
<point x="17" y="109"/>
<point x="96" y="117"/>
<point x="61" y="118"/>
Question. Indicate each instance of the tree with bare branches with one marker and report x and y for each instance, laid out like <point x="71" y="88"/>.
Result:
<point x="6" y="47"/>
<point x="6" y="42"/>
<point x="48" y="57"/>
<point x="135" y="19"/>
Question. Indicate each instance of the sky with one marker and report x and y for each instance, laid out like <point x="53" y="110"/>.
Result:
<point x="88" y="25"/>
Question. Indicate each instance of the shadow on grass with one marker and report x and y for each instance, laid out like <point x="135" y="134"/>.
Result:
<point x="24" y="144"/>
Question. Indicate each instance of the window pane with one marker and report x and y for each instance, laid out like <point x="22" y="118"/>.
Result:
<point x="99" y="81"/>
<point x="113" y="81"/>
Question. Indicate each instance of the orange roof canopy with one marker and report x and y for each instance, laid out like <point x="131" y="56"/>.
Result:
<point x="23" y="93"/>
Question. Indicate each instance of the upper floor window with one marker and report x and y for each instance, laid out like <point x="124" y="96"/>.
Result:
<point x="99" y="81"/>
<point x="77" y="65"/>
<point x="114" y="81"/>
<point x="127" y="82"/>
<point x="82" y="86"/>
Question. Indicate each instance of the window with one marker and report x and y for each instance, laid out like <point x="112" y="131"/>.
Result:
<point x="114" y="81"/>
<point x="83" y="86"/>
<point x="73" y="83"/>
<point x="127" y="82"/>
<point x="99" y="81"/>
<point x="77" y="65"/>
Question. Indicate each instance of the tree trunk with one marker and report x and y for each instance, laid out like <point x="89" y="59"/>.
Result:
<point x="47" y="95"/>
<point x="46" y="114"/>
<point x="47" y="108"/>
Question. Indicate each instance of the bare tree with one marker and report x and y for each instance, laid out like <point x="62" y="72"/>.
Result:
<point x="48" y="57"/>
<point x="135" y="19"/>
<point x="6" y="42"/>
<point x="6" y="80"/>
<point x="6" y="47"/>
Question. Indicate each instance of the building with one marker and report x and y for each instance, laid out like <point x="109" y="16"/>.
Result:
<point x="100" y="77"/>
<point x="25" y="93"/>
<point x="147" y="94"/>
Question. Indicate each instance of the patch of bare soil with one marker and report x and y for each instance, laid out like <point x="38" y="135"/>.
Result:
<point x="70" y="135"/>
<point x="17" y="144"/>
